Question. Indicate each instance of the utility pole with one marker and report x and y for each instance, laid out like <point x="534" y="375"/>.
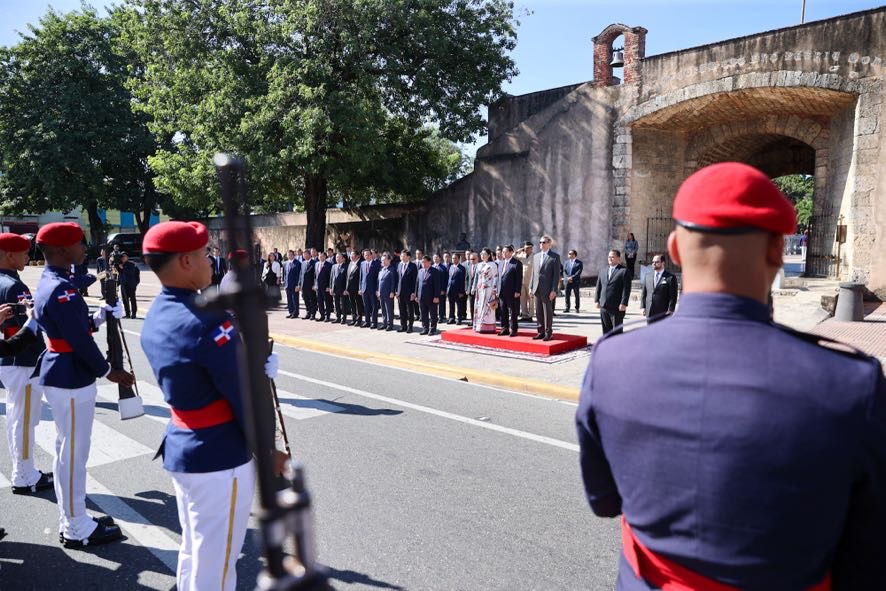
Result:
<point x="803" y="13"/>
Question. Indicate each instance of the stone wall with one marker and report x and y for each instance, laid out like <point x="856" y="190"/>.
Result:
<point x="508" y="112"/>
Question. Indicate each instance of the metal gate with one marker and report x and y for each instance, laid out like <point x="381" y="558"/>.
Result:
<point x="658" y="229"/>
<point x="821" y="260"/>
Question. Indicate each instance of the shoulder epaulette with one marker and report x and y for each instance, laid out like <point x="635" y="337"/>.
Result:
<point x="631" y="326"/>
<point x="825" y="342"/>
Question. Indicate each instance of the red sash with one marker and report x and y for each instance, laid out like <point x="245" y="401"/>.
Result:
<point x="667" y="575"/>
<point x="10" y="331"/>
<point x="214" y="413"/>
<point x="60" y="346"/>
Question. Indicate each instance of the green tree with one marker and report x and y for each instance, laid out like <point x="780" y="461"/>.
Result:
<point x="68" y="135"/>
<point x="328" y="100"/>
<point x="800" y="189"/>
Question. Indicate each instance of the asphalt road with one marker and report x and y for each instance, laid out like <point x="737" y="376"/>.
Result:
<point x="420" y="483"/>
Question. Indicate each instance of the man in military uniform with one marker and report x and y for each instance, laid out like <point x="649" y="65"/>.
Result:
<point x="23" y="392"/>
<point x="68" y="372"/>
<point x="743" y="454"/>
<point x="193" y="353"/>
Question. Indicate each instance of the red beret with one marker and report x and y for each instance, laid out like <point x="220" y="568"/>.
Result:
<point x="731" y="198"/>
<point x="175" y="237"/>
<point x="14" y="243"/>
<point x="239" y="253"/>
<point x="60" y="234"/>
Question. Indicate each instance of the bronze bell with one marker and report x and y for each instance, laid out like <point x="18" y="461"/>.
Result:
<point x="618" y="59"/>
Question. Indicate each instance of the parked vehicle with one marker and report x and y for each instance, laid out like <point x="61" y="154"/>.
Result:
<point x="129" y="242"/>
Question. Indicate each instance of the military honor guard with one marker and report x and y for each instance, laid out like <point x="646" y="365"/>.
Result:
<point x="193" y="354"/>
<point x="24" y="394"/>
<point x="428" y="286"/>
<point x="743" y="454"/>
<point x="68" y="372"/>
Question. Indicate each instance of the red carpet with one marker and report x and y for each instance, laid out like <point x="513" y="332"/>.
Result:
<point x="560" y="343"/>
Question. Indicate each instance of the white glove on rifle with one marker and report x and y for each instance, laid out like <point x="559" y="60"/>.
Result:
<point x="272" y="365"/>
<point x="101" y="314"/>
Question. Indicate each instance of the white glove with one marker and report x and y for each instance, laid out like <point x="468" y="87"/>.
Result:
<point x="116" y="309"/>
<point x="99" y="317"/>
<point x="101" y="314"/>
<point x="272" y="365"/>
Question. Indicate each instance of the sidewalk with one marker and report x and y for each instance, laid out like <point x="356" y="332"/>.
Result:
<point x="557" y="377"/>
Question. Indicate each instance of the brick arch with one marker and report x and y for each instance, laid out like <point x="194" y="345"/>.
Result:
<point x="634" y="52"/>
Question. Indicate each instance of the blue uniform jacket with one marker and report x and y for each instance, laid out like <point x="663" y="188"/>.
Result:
<point x="428" y="285"/>
<point x="387" y="282"/>
<point x="407" y="275"/>
<point x="291" y="274"/>
<point x="13" y="291"/>
<point x="456" y="280"/>
<point x="739" y="449"/>
<point x="369" y="276"/>
<point x="62" y="314"/>
<point x="194" y="357"/>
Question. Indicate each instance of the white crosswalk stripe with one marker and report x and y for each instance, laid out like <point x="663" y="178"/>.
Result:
<point x="300" y="407"/>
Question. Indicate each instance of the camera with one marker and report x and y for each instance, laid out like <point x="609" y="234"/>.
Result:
<point x="19" y="308"/>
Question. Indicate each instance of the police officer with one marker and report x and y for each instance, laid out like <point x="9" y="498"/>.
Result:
<point x="193" y="353"/>
<point x="68" y="371"/>
<point x="17" y="372"/>
<point x="742" y="455"/>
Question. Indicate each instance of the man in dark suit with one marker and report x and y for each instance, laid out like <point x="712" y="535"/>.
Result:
<point x="323" y="287"/>
<point x="419" y="256"/>
<point x="613" y="292"/>
<point x="339" y="285"/>
<point x="455" y="291"/>
<point x="471" y="280"/>
<point x="572" y="278"/>
<point x="291" y="278"/>
<point x="443" y="270"/>
<point x="352" y="286"/>
<point x="369" y="270"/>
<point x="308" y="282"/>
<point x="387" y="291"/>
<point x="427" y="293"/>
<point x="543" y="287"/>
<point x="511" y="284"/>
<point x="407" y="274"/>
<point x="219" y="266"/>
<point x="659" y="294"/>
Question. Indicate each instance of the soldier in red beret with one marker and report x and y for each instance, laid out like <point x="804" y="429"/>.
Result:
<point x="68" y="372"/>
<point x="23" y="392"/>
<point x="194" y="355"/>
<point x="743" y="454"/>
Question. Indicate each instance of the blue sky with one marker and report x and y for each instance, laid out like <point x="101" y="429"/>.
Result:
<point x="554" y="37"/>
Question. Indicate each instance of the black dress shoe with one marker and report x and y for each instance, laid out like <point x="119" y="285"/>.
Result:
<point x="401" y="329"/>
<point x="566" y="311"/>
<point x="409" y="330"/>
<point x="103" y="534"/>
<point x="515" y="334"/>
<point x="105" y="520"/>
<point x="43" y="483"/>
<point x="423" y="332"/>
<point x="432" y="332"/>
<point x="374" y="325"/>
<point x="389" y="329"/>
<point x="504" y="333"/>
<point x="548" y="337"/>
<point x="451" y="321"/>
<point x="538" y="337"/>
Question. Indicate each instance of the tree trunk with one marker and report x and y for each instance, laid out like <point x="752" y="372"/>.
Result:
<point x="96" y="226"/>
<point x="143" y="219"/>
<point x="316" y="193"/>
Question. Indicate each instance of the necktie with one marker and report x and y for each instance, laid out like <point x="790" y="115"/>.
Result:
<point x="657" y="277"/>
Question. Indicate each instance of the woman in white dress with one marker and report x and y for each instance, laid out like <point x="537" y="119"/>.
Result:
<point x="271" y="272"/>
<point x="486" y="280"/>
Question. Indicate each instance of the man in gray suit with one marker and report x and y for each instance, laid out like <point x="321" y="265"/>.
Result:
<point x="543" y="286"/>
<point x="471" y="279"/>
<point x="659" y="294"/>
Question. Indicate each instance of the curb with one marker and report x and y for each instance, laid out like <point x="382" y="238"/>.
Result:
<point x="523" y="385"/>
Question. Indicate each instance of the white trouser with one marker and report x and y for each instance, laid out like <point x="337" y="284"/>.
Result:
<point x="23" y="397"/>
<point x="72" y="411"/>
<point x="213" y="508"/>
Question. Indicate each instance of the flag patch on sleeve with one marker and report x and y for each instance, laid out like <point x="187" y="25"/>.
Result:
<point x="223" y="333"/>
<point x="67" y="296"/>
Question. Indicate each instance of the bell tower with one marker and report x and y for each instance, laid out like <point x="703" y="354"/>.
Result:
<point x="634" y="51"/>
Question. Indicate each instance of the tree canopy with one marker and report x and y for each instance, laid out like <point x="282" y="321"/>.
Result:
<point x="799" y="188"/>
<point x="68" y="134"/>
<point x="327" y="100"/>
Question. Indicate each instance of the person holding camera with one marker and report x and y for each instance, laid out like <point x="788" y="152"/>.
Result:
<point x="23" y="392"/>
<point x="129" y="277"/>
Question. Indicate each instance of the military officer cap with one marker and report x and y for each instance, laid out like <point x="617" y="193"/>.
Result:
<point x="60" y="234"/>
<point x="733" y="198"/>
<point x="239" y="253"/>
<point x="175" y="237"/>
<point x="14" y="243"/>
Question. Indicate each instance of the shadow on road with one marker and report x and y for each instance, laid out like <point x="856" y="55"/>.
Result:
<point x="348" y="409"/>
<point x="349" y="576"/>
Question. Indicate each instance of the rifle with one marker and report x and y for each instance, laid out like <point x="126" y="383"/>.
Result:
<point x="130" y="402"/>
<point x="285" y="515"/>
